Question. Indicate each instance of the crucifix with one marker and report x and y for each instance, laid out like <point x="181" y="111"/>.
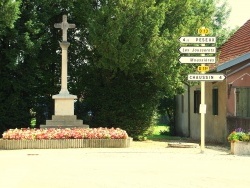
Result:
<point x="64" y="45"/>
<point x="64" y="101"/>
<point x="64" y="26"/>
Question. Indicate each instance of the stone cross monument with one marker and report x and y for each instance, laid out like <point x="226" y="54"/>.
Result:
<point x="64" y="45"/>
<point x="64" y="102"/>
<point x="64" y="26"/>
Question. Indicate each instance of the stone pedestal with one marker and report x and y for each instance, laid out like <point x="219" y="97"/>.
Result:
<point x="64" y="104"/>
<point x="64" y="113"/>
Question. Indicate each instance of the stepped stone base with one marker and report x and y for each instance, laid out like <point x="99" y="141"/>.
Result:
<point x="64" y="121"/>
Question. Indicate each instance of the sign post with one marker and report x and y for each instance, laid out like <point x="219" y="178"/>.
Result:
<point x="203" y="31"/>
<point x="202" y="59"/>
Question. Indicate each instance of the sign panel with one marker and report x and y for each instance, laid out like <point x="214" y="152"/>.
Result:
<point x="203" y="31"/>
<point x="203" y="108"/>
<point x="198" y="50"/>
<point x="194" y="59"/>
<point x="203" y="68"/>
<point x="206" y="77"/>
<point x="198" y="40"/>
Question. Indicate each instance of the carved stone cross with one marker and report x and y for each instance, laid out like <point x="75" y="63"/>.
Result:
<point x="64" y="26"/>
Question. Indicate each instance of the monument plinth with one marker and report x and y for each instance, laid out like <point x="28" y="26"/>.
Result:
<point x="64" y="102"/>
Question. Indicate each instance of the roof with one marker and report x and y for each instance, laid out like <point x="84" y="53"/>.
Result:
<point x="233" y="62"/>
<point x="237" y="45"/>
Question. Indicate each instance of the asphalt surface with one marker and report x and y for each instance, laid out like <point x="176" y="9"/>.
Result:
<point x="147" y="166"/>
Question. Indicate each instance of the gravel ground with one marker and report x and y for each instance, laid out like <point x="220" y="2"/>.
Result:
<point x="144" y="165"/>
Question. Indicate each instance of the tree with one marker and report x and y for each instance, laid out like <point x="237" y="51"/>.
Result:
<point x="132" y="53"/>
<point x="9" y="11"/>
<point x="29" y="62"/>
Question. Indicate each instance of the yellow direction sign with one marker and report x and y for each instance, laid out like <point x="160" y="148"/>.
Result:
<point x="203" y="31"/>
<point x="203" y="68"/>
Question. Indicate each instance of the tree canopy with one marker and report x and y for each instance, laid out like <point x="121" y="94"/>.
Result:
<point x="9" y="11"/>
<point x="123" y="57"/>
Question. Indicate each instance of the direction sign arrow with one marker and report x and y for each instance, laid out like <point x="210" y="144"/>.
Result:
<point x="194" y="59"/>
<point x="206" y="77"/>
<point x="198" y="40"/>
<point x="197" y="50"/>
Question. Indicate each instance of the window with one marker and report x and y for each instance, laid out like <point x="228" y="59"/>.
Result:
<point x="215" y="101"/>
<point x="197" y="100"/>
<point x="243" y="102"/>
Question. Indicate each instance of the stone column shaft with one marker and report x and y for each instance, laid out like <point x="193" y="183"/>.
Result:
<point x="64" y="72"/>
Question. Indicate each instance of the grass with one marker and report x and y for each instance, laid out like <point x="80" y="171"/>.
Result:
<point x="160" y="128"/>
<point x="162" y="133"/>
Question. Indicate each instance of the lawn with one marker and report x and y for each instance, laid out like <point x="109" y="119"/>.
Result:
<point x="162" y="133"/>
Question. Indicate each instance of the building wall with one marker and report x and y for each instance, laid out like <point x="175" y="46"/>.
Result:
<point x="238" y="79"/>
<point x="194" y="117"/>
<point x="182" y="114"/>
<point x="215" y="125"/>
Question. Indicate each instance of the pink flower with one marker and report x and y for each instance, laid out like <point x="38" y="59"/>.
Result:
<point x="68" y="133"/>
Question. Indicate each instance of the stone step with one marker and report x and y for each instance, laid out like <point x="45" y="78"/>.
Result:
<point x="62" y="122"/>
<point x="64" y="126"/>
<point x="64" y="118"/>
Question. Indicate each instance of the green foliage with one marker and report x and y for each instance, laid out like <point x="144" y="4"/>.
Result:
<point x="29" y="70"/>
<point x="33" y="123"/>
<point x="162" y="132"/>
<point x="123" y="58"/>
<point x="132" y="61"/>
<point x="239" y="135"/>
<point x="118" y="101"/>
<point x="9" y="11"/>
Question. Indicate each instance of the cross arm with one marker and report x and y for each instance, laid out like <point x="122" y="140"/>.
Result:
<point x="57" y="25"/>
<point x="72" y="26"/>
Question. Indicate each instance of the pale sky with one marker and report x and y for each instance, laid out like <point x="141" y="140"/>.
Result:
<point x="240" y="12"/>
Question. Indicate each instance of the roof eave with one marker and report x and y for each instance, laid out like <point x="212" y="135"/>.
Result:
<point x="233" y="62"/>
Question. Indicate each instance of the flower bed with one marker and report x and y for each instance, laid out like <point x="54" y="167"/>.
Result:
<point x="240" y="142"/>
<point x="64" y="138"/>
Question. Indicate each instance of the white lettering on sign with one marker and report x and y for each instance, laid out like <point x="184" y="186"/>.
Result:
<point x="202" y="59"/>
<point x="203" y="50"/>
<point x="200" y="77"/>
<point x="196" y="50"/>
<point x="205" y="39"/>
<point x="198" y="40"/>
<point x="206" y="77"/>
<point x="194" y="59"/>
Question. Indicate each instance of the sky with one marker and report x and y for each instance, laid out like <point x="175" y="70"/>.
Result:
<point x="240" y="12"/>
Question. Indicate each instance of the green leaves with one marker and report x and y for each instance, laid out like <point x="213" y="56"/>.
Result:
<point x="9" y="11"/>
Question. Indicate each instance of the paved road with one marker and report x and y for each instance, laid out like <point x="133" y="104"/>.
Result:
<point x="135" y="167"/>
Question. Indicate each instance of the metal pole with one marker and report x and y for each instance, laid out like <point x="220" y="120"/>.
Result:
<point x="202" y="107"/>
